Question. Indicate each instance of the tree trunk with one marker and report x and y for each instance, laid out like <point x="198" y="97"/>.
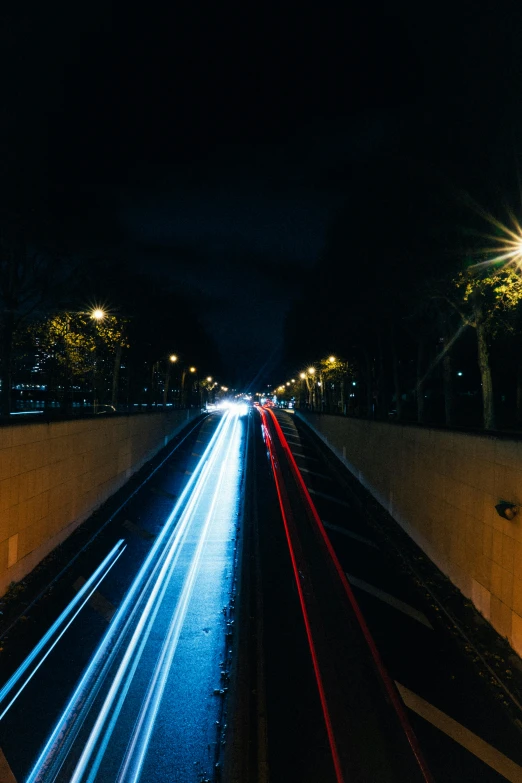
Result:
<point x="420" y="381"/>
<point x="150" y="386"/>
<point x="381" y="381"/>
<point x="396" y="373"/>
<point x="369" y="385"/>
<point x="447" y="380"/>
<point x="167" y="383"/>
<point x="7" y="359"/>
<point x="66" y="391"/>
<point x="519" y="394"/>
<point x="116" y="375"/>
<point x="488" y="404"/>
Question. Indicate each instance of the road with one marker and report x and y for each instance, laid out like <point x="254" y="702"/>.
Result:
<point x="141" y="696"/>
<point x="241" y="618"/>
<point x="463" y="731"/>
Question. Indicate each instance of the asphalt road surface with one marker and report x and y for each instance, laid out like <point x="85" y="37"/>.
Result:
<point x="239" y="618"/>
<point x="126" y="682"/>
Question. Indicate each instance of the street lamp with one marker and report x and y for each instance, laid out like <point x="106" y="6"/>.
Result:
<point x="183" y="395"/>
<point x="172" y="360"/>
<point x="98" y="314"/>
<point x="310" y="386"/>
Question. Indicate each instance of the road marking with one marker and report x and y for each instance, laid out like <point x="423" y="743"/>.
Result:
<point x="481" y="749"/>
<point x="314" y="473"/>
<point x="6" y="776"/>
<point x="391" y="600"/>
<point x="345" y="532"/>
<point x="304" y="456"/>
<point x="328" y="497"/>
<point x="97" y="601"/>
<point x="137" y="530"/>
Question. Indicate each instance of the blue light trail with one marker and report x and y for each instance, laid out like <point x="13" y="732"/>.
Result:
<point x="122" y="688"/>
<point x="82" y="597"/>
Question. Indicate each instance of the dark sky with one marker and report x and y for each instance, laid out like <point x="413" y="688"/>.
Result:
<point x="215" y="143"/>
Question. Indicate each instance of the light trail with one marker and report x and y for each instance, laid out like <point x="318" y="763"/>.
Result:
<point x="48" y="764"/>
<point x="90" y="586"/>
<point x="387" y="682"/>
<point x="139" y="637"/>
<point x="286" y="516"/>
<point x="136" y="618"/>
<point x="135" y="756"/>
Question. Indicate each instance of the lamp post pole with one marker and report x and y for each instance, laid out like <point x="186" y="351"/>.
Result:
<point x="183" y="393"/>
<point x="97" y="315"/>
<point x="171" y="360"/>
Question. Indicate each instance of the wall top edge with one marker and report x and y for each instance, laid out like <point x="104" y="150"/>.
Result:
<point x="490" y="434"/>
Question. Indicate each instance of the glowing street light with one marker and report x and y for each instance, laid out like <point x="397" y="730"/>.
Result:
<point x="302" y="375"/>
<point x="311" y="370"/>
<point x="209" y="379"/>
<point x="332" y="359"/>
<point x="172" y="359"/>
<point x="192" y="369"/>
<point x="98" y="314"/>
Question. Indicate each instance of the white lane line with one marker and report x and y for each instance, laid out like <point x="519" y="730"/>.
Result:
<point x="390" y="599"/>
<point x="328" y="497"/>
<point x="345" y="532"/>
<point x="6" y="775"/>
<point x="304" y="456"/>
<point x="314" y="473"/>
<point x="481" y="749"/>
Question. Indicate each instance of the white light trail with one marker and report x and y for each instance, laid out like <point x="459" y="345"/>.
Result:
<point x="52" y="756"/>
<point x="141" y="604"/>
<point x="90" y="586"/>
<point x="133" y="762"/>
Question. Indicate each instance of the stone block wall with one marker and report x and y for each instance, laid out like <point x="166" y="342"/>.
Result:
<point x="442" y="488"/>
<point x="54" y="475"/>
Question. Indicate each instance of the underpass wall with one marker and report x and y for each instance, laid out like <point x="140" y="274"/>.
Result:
<point x="442" y="488"/>
<point x="54" y="475"/>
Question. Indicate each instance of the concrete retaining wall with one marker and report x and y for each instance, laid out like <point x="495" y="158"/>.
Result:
<point x="53" y="476"/>
<point x="442" y="488"/>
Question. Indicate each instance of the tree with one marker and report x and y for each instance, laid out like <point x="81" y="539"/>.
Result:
<point x="79" y="346"/>
<point x="484" y="301"/>
<point x="31" y="277"/>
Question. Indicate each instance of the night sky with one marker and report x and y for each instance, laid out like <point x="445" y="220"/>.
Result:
<point x="215" y="144"/>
